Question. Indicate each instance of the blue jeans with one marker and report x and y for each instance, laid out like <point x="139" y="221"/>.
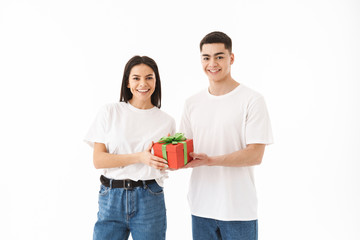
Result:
<point x="140" y="211"/>
<point x="211" y="229"/>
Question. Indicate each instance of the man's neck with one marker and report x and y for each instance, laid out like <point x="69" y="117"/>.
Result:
<point x="222" y="87"/>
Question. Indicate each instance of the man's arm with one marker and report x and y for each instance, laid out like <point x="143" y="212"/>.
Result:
<point x="249" y="156"/>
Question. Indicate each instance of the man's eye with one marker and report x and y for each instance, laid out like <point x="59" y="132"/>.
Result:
<point x="220" y="57"/>
<point x="205" y="58"/>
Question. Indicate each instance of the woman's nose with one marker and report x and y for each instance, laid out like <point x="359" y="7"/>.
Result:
<point x="142" y="82"/>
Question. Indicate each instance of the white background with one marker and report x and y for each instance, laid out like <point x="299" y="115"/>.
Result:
<point x="61" y="60"/>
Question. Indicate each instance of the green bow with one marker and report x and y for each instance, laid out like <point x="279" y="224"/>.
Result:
<point x="175" y="139"/>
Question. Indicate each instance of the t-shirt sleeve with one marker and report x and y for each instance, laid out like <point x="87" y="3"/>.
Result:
<point x="258" y="125"/>
<point x="99" y="128"/>
<point x="185" y="126"/>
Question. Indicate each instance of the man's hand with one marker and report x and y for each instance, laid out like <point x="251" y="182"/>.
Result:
<point x="199" y="159"/>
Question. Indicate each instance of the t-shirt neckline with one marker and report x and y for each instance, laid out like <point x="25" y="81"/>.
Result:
<point x="135" y="109"/>
<point x="236" y="89"/>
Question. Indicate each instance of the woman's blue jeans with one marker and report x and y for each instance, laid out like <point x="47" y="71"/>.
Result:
<point x="140" y="211"/>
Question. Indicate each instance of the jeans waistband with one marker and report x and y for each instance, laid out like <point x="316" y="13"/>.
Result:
<point x="126" y="183"/>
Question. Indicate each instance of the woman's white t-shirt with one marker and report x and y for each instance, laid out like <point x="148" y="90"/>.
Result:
<point x="125" y="129"/>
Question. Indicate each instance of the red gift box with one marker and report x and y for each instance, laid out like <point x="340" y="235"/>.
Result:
<point x="175" y="153"/>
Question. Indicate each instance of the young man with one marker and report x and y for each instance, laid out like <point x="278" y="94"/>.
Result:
<point x="230" y="126"/>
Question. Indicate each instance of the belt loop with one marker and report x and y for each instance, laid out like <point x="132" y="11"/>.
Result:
<point x="144" y="184"/>
<point x="111" y="181"/>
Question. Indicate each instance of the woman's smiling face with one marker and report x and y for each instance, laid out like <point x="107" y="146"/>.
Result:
<point x="142" y="83"/>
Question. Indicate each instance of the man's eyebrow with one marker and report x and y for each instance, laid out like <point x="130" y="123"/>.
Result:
<point x="207" y="55"/>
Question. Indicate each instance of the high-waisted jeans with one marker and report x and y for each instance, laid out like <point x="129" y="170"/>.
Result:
<point x="140" y="211"/>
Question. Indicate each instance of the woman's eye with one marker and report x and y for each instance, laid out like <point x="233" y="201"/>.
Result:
<point x="136" y="78"/>
<point x="149" y="78"/>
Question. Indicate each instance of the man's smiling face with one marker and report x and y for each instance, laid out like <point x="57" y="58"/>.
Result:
<point x="216" y="61"/>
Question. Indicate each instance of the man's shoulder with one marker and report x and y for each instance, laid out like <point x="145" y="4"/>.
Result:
<point x="196" y="97"/>
<point x="249" y="93"/>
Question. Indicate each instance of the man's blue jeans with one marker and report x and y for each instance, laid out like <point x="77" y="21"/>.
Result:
<point x="140" y="211"/>
<point x="211" y="229"/>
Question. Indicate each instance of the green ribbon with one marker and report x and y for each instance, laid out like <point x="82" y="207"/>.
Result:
<point x="175" y="139"/>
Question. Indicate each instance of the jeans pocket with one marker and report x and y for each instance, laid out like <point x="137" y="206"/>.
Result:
<point x="154" y="188"/>
<point x="103" y="190"/>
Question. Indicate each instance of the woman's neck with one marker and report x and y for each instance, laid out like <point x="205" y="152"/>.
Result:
<point x="141" y="104"/>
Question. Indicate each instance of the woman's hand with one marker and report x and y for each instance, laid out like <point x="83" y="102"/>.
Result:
<point x="147" y="158"/>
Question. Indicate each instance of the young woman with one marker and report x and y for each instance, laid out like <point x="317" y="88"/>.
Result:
<point x="131" y="198"/>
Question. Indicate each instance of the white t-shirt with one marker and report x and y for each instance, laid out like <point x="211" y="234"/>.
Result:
<point x="221" y="125"/>
<point x="125" y="129"/>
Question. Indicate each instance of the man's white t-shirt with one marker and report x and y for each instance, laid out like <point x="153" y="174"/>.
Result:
<point x="221" y="125"/>
<point x="125" y="129"/>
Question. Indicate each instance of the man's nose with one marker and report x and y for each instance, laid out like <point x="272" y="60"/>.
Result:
<point x="213" y="62"/>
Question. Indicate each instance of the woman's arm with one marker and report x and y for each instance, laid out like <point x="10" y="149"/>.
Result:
<point x="103" y="159"/>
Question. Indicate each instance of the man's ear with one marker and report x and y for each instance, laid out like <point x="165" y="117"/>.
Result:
<point x="232" y="58"/>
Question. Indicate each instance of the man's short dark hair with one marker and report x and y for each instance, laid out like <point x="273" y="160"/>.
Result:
<point x="217" y="37"/>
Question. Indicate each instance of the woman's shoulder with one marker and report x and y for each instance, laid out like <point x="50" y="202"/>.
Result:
<point x="160" y="111"/>
<point x="164" y="114"/>
<point x="112" y="108"/>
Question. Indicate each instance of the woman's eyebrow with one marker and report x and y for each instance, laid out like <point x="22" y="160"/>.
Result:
<point x="150" y="74"/>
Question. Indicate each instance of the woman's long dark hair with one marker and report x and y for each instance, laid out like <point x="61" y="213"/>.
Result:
<point x="125" y="93"/>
